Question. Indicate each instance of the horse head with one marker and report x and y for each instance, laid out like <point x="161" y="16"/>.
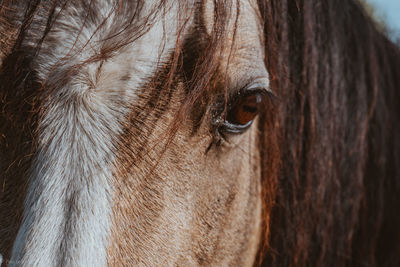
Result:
<point x="200" y="132"/>
<point x="129" y="163"/>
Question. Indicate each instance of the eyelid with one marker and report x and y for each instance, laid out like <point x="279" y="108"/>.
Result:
<point x="259" y="84"/>
<point x="235" y="128"/>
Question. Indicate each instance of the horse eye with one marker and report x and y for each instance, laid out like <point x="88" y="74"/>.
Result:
<point x="243" y="111"/>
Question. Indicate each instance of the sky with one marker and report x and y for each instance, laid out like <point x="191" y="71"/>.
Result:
<point x="389" y="10"/>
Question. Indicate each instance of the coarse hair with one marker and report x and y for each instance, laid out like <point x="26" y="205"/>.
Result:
<point x="330" y="145"/>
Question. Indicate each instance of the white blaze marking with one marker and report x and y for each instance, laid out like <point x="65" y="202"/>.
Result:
<point x="69" y="199"/>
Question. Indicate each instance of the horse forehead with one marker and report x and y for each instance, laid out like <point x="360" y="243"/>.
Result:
<point x="242" y="13"/>
<point x="244" y="43"/>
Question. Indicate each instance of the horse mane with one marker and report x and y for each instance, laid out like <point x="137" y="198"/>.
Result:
<point x="330" y="146"/>
<point x="337" y="180"/>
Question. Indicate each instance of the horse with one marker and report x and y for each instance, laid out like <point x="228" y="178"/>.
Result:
<point x="198" y="133"/>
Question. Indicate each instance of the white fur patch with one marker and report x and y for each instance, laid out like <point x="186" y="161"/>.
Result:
<point x="69" y="199"/>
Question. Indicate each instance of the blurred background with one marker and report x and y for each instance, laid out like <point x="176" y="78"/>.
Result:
<point x="387" y="14"/>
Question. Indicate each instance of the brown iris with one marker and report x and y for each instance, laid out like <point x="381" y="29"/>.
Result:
<point x="245" y="108"/>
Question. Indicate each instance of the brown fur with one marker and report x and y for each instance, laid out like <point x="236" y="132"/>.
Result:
<point x="191" y="206"/>
<point x="329" y="149"/>
<point x="338" y="185"/>
<point x="17" y="143"/>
